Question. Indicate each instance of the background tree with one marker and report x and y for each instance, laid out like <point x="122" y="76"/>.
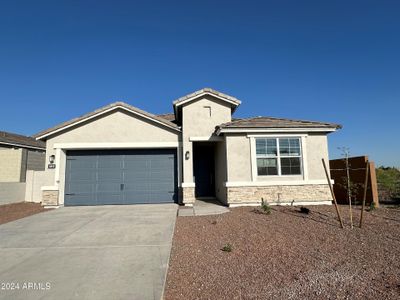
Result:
<point x="389" y="181"/>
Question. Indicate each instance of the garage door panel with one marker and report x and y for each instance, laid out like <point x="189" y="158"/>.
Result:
<point x="81" y="188"/>
<point x="104" y="198"/>
<point x="111" y="187"/>
<point x="136" y="186"/>
<point x="109" y="162"/>
<point x="139" y="197"/>
<point x="160" y="197"/>
<point x="120" y="177"/>
<point x="80" y="199"/>
<point x="109" y="175"/>
<point x="83" y="175"/>
<point x="82" y="162"/>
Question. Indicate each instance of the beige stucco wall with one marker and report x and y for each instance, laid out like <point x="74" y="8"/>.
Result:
<point x="197" y="121"/>
<point x="317" y="148"/>
<point x="116" y="128"/>
<point x="238" y="158"/>
<point x="35" y="180"/>
<point x="10" y="165"/>
<point x="240" y="164"/>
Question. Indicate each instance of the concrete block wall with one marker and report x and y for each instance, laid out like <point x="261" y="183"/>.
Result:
<point x="12" y="192"/>
<point x="10" y="165"/>
<point x="36" y="160"/>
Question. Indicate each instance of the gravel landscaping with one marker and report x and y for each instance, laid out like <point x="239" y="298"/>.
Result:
<point x="15" y="211"/>
<point x="286" y="255"/>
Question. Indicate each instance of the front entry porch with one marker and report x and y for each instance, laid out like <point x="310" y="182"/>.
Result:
<point x="203" y="207"/>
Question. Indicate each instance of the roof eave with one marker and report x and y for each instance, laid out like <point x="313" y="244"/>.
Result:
<point x="273" y="129"/>
<point x="22" y="146"/>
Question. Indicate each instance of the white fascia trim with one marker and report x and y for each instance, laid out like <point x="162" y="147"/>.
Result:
<point x="115" y="145"/>
<point x="49" y="188"/>
<point x="101" y="113"/>
<point x="206" y="138"/>
<point x="267" y="130"/>
<point x="188" y="184"/>
<point x="272" y="183"/>
<point x="294" y="203"/>
<point x="23" y="146"/>
<point x="236" y="103"/>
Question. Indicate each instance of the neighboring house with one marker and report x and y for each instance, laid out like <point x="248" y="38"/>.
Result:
<point x="120" y="154"/>
<point x="19" y="153"/>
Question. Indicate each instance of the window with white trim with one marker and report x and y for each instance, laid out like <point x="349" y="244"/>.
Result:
<point x="278" y="156"/>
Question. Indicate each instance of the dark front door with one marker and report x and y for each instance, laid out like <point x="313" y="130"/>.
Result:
<point x="120" y="177"/>
<point x="204" y="169"/>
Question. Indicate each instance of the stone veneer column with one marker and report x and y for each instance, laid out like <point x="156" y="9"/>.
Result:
<point x="49" y="197"/>
<point x="188" y="196"/>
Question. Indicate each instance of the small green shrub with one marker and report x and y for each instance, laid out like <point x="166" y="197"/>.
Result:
<point x="372" y="206"/>
<point x="227" y="248"/>
<point x="265" y="207"/>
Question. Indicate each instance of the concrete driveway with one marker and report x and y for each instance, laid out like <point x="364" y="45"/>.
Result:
<point x="104" y="252"/>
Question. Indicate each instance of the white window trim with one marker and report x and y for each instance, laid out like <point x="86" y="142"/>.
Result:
<point x="253" y="154"/>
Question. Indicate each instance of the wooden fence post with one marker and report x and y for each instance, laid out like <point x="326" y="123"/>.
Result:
<point x="365" y="191"/>
<point x="333" y="194"/>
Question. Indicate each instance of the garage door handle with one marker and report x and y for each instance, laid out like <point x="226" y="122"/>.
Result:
<point x="69" y="194"/>
<point x="122" y="187"/>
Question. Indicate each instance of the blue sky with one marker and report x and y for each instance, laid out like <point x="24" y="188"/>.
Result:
<point x="336" y="61"/>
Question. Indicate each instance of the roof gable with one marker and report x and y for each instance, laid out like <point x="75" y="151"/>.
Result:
<point x="101" y="111"/>
<point x="207" y="91"/>
<point x="232" y="101"/>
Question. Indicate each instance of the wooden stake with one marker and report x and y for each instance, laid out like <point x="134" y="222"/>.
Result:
<point x="349" y="188"/>
<point x="333" y="194"/>
<point x="365" y="191"/>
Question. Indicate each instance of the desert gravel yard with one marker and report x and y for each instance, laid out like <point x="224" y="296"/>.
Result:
<point x="286" y="255"/>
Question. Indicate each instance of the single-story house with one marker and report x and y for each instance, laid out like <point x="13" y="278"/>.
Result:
<point x="120" y="154"/>
<point x="19" y="153"/>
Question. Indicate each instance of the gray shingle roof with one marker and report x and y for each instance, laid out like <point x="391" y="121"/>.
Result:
<point x="21" y="141"/>
<point x="270" y="122"/>
<point x="104" y="109"/>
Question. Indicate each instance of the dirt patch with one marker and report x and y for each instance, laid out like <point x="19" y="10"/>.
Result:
<point x="15" y="211"/>
<point x="286" y="255"/>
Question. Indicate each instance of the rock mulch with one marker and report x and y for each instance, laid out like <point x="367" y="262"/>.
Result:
<point x="15" y="211"/>
<point x="286" y="255"/>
